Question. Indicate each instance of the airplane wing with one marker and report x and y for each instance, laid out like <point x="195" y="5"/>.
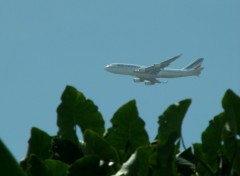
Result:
<point x="167" y="62"/>
<point x="155" y="68"/>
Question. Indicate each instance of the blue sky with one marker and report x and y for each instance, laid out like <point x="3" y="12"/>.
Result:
<point x="46" y="45"/>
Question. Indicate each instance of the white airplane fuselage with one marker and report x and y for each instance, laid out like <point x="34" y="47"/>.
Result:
<point x="129" y="69"/>
<point x="149" y="74"/>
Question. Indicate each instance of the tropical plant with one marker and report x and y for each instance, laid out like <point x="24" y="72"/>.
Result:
<point x="124" y="148"/>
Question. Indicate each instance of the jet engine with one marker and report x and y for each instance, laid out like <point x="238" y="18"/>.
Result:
<point x="148" y="83"/>
<point x="137" y="80"/>
<point x="141" y="70"/>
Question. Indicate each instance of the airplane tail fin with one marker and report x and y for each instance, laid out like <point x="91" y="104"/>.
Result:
<point x="198" y="70"/>
<point x="195" y="65"/>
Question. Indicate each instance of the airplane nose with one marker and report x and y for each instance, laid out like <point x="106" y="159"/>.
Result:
<point x="108" y="68"/>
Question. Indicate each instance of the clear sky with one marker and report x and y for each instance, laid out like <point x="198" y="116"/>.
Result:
<point x="46" y="45"/>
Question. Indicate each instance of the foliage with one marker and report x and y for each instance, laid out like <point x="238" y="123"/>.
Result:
<point x="124" y="148"/>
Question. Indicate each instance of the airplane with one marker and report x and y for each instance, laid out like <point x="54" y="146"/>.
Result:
<point x="149" y="74"/>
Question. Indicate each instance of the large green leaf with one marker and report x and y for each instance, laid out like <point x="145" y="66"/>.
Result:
<point x="232" y="150"/>
<point x="8" y="165"/>
<point x="56" y="168"/>
<point x="231" y="105"/>
<point x="212" y="139"/>
<point x="39" y="144"/>
<point x="138" y="164"/>
<point x="211" y="146"/>
<point x="66" y="150"/>
<point x="35" y="166"/>
<point x="171" y="122"/>
<point x="127" y="132"/>
<point x="95" y="144"/>
<point x="163" y="160"/>
<point x="186" y="163"/>
<point x="168" y="133"/>
<point x="89" y="165"/>
<point x="74" y="110"/>
<point x="48" y="167"/>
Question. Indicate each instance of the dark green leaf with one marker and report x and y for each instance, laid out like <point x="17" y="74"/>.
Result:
<point x="163" y="160"/>
<point x="231" y="105"/>
<point x="95" y="144"/>
<point x="232" y="150"/>
<point x="138" y="164"/>
<point x="198" y="150"/>
<point x="66" y="150"/>
<point x="212" y="137"/>
<point x="201" y="167"/>
<point x="74" y="110"/>
<point x="35" y="166"/>
<point x="49" y="167"/>
<point x="171" y="121"/>
<point x="168" y="133"/>
<point x="208" y="153"/>
<point x="39" y="144"/>
<point x="186" y="163"/>
<point x="8" y="165"/>
<point x="211" y="143"/>
<point x="127" y="132"/>
<point x="89" y="165"/>
<point x="55" y="168"/>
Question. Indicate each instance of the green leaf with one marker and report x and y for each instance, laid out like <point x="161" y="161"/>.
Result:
<point x="231" y="105"/>
<point x="96" y="145"/>
<point x="49" y="167"/>
<point x="212" y="138"/>
<point x="8" y="165"/>
<point x="66" y="150"/>
<point x="211" y="145"/>
<point x="55" y="168"/>
<point x="164" y="160"/>
<point x="127" y="132"/>
<point x="74" y="110"/>
<point x="202" y="167"/>
<point x="232" y="150"/>
<point x="89" y="165"/>
<point x="138" y="164"/>
<point x="38" y="144"/>
<point x="171" y="121"/>
<point x="35" y="166"/>
<point x="186" y="163"/>
<point x="168" y="133"/>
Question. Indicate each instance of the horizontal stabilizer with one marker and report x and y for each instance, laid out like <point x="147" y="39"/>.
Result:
<point x="196" y="64"/>
<point x="198" y="71"/>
